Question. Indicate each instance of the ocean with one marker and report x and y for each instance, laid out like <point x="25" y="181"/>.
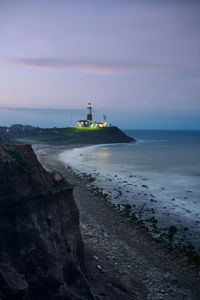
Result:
<point x="155" y="181"/>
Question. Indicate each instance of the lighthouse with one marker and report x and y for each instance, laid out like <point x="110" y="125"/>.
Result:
<point x="88" y="122"/>
<point x="89" y="112"/>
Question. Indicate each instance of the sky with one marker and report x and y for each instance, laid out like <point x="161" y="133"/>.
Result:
<point x="138" y="62"/>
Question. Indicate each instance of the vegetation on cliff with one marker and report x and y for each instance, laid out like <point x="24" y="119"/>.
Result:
<point x="69" y="135"/>
<point x="93" y="135"/>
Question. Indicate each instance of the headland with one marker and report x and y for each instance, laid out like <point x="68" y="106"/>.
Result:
<point x="66" y="136"/>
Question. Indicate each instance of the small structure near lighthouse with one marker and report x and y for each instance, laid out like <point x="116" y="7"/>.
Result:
<point x="88" y="122"/>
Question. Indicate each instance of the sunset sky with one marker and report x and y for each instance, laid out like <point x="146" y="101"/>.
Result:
<point x="136" y="61"/>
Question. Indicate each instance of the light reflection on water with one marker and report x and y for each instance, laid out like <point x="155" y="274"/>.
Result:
<point x="165" y="170"/>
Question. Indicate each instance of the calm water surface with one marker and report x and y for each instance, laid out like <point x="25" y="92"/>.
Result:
<point x="159" y="176"/>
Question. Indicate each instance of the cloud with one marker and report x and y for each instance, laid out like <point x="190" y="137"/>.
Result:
<point x="87" y="66"/>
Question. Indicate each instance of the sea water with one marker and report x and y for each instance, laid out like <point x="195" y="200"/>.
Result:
<point x="158" y="176"/>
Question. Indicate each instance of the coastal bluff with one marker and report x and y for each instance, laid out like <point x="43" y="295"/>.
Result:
<point x="68" y="135"/>
<point x="41" y="253"/>
<point x="105" y="135"/>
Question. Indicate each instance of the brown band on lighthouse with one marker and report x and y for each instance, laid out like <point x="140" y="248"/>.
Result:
<point x="89" y="117"/>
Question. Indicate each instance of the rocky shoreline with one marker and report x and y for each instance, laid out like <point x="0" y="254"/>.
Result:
<point x="122" y="254"/>
<point x="137" y="198"/>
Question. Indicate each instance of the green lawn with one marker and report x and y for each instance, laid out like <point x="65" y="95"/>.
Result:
<point x="70" y="131"/>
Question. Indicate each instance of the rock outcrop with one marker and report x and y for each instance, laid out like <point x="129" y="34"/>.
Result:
<point x="41" y="250"/>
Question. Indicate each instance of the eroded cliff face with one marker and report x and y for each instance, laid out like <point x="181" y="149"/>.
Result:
<point x="41" y="251"/>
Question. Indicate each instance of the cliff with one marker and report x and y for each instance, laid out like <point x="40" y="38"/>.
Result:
<point x="91" y="135"/>
<point x="72" y="135"/>
<point x="41" y="250"/>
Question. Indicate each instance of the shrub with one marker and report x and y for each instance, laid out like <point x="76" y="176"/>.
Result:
<point x="17" y="156"/>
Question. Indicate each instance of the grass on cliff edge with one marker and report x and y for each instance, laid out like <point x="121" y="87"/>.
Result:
<point x="70" y="131"/>
<point x="17" y="156"/>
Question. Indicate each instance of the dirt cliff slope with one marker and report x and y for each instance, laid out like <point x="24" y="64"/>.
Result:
<point x="41" y="250"/>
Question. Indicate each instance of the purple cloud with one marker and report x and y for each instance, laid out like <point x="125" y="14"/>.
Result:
<point x="94" y="67"/>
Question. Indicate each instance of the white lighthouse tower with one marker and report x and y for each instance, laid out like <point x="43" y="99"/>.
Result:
<point x="89" y="113"/>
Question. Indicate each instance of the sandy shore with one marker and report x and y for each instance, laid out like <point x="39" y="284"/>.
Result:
<point x="120" y="253"/>
<point x="159" y="202"/>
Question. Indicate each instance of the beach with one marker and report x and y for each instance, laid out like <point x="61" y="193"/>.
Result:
<point x="115" y="249"/>
<point x="154" y="181"/>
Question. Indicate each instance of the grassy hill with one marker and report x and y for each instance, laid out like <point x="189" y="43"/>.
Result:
<point x="85" y="135"/>
<point x="75" y="131"/>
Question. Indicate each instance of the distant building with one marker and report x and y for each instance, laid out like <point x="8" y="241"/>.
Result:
<point x="88" y="122"/>
<point x="83" y="123"/>
<point x="98" y="124"/>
